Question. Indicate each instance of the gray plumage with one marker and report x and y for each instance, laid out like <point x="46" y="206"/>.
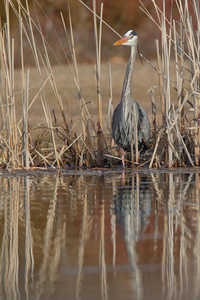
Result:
<point x="128" y="112"/>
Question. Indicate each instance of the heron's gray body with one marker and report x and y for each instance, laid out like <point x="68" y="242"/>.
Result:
<point x="128" y="112"/>
<point x="125" y="117"/>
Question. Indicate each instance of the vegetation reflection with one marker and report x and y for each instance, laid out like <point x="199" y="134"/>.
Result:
<point x="70" y="227"/>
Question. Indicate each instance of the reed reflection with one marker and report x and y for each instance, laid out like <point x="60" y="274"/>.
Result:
<point x="75" y="236"/>
<point x="180" y="230"/>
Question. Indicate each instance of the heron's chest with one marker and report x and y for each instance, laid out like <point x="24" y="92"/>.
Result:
<point x="129" y="114"/>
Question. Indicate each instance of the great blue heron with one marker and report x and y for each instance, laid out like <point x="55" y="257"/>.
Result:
<point x="128" y="114"/>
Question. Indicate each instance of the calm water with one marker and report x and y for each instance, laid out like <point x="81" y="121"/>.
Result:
<point x="100" y="236"/>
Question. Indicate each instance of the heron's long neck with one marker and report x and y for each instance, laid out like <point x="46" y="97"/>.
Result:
<point x="127" y="86"/>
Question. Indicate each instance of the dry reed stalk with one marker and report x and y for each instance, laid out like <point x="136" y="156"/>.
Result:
<point x="109" y="122"/>
<point x="98" y="81"/>
<point x="25" y="146"/>
<point x="155" y="149"/>
<point x="97" y="16"/>
<point x="153" y="105"/>
<point x="179" y="79"/>
<point x="117" y="158"/>
<point x="196" y="118"/>
<point x="2" y="62"/>
<point x="25" y="93"/>
<point x="135" y="138"/>
<point x="99" y="68"/>
<point x="165" y="59"/>
<point x="160" y="82"/>
<point x="9" y="127"/>
<point x="110" y="105"/>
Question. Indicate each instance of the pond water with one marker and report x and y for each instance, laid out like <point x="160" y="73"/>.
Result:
<point x="100" y="235"/>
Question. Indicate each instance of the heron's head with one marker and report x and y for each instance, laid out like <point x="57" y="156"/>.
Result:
<point x="129" y="39"/>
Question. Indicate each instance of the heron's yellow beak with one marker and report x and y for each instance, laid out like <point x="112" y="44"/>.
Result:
<point x="123" y="40"/>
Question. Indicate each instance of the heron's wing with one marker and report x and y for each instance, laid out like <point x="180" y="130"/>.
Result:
<point x="116" y="120"/>
<point x="143" y="123"/>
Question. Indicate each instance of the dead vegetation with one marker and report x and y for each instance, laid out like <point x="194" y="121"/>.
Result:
<point x="56" y="143"/>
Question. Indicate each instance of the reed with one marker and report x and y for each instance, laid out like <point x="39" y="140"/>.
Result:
<point x="175" y="141"/>
<point x="178" y="48"/>
<point x="19" y="148"/>
<point x="98" y="81"/>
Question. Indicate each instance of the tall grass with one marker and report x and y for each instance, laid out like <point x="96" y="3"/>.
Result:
<point x="175" y="141"/>
<point x="18" y="149"/>
<point x="178" y="49"/>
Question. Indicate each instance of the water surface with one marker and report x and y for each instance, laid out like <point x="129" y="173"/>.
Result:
<point x="100" y="235"/>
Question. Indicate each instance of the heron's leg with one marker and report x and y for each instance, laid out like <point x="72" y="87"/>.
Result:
<point x="122" y="156"/>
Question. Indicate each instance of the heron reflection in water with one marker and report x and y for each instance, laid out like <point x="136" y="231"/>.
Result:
<point x="132" y="207"/>
<point x="133" y="201"/>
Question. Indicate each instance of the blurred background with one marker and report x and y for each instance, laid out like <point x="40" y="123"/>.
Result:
<point x="121" y="15"/>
